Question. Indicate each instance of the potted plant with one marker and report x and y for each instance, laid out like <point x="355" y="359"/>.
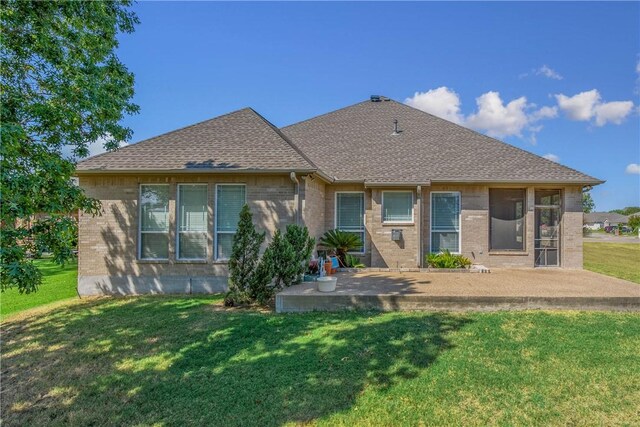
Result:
<point x="340" y="242"/>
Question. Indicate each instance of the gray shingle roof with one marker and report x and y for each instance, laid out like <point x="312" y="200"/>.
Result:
<point x="356" y="143"/>
<point x="238" y="141"/>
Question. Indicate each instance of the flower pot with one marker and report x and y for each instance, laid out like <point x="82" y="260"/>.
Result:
<point x="327" y="267"/>
<point x="327" y="284"/>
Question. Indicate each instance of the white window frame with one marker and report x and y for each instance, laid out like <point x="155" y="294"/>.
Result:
<point x="413" y="203"/>
<point x="215" y="220"/>
<point x="178" y="232"/>
<point x="140" y="231"/>
<point x="364" y="218"/>
<point x="431" y="230"/>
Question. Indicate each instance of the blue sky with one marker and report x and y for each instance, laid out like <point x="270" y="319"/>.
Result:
<point x="558" y="79"/>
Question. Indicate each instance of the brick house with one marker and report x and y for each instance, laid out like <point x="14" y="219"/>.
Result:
<point x="407" y="182"/>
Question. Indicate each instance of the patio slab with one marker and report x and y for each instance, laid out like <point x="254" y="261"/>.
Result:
<point x="499" y="290"/>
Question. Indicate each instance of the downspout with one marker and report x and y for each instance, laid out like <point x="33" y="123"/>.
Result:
<point x="296" y="196"/>
<point x="419" y="224"/>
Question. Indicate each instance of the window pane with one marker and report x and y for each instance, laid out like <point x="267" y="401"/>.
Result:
<point x="225" y="244"/>
<point x="350" y="211"/>
<point x="548" y="197"/>
<point x="192" y="208"/>
<point x="441" y="241"/>
<point x="154" y="207"/>
<point x="154" y="246"/>
<point x="193" y="245"/>
<point x="445" y="211"/>
<point x="230" y="200"/>
<point x="397" y="206"/>
<point x="507" y="211"/>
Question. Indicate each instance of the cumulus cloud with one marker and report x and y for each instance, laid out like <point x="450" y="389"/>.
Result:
<point x="493" y="116"/>
<point x="633" y="168"/>
<point x="588" y="105"/>
<point x="552" y="157"/>
<point x="96" y="147"/>
<point x="442" y="102"/>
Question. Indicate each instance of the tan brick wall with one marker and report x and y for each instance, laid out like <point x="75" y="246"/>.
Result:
<point x="312" y="195"/>
<point x="107" y="244"/>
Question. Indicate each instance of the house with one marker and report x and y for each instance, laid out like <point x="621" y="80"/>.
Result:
<point x="598" y="220"/>
<point x="408" y="183"/>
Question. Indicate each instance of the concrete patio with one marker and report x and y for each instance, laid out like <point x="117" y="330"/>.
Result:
<point x="502" y="289"/>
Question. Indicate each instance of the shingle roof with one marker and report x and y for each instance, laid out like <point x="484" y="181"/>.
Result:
<point x="238" y="141"/>
<point x="616" y="218"/>
<point x="356" y="143"/>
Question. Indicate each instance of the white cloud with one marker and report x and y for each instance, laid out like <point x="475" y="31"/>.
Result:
<point x="442" y="102"/>
<point x="96" y="147"/>
<point x="548" y="72"/>
<point x="552" y="157"/>
<point x="588" y="105"/>
<point x="498" y="119"/>
<point x="633" y="168"/>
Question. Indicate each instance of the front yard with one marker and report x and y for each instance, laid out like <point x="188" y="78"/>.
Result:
<point x="176" y="361"/>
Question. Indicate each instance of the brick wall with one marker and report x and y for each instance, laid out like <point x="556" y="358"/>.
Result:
<point x="313" y="201"/>
<point x="107" y="244"/>
<point x="571" y="244"/>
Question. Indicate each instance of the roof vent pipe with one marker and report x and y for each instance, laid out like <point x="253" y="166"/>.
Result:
<point x="396" y="131"/>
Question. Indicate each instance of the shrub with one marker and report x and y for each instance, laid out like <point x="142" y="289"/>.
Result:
<point x="447" y="260"/>
<point x="248" y="275"/>
<point x="352" y="261"/>
<point x="340" y="242"/>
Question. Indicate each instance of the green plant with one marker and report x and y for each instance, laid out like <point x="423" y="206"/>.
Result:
<point x="634" y="222"/>
<point x="340" y="242"/>
<point x="447" y="260"/>
<point x="248" y="275"/>
<point x="352" y="261"/>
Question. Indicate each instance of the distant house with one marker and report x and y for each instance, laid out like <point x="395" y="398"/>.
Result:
<point x="408" y="183"/>
<point x="598" y="220"/>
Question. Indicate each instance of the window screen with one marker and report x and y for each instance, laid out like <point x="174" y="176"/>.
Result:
<point x="445" y="222"/>
<point x="350" y="214"/>
<point x="154" y="221"/>
<point x="192" y="221"/>
<point x="229" y="202"/>
<point x="397" y="206"/>
<point x="507" y="211"/>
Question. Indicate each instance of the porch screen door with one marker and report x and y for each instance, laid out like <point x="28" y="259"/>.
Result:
<point x="547" y="234"/>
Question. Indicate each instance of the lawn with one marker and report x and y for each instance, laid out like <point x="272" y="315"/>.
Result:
<point x="58" y="283"/>
<point x="189" y="361"/>
<point x="613" y="259"/>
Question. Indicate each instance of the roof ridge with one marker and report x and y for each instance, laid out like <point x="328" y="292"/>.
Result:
<point x="325" y="114"/>
<point x="496" y="140"/>
<point x="285" y="139"/>
<point x="146" y="140"/>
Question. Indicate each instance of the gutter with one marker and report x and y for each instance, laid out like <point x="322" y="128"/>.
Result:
<point x="100" y="171"/>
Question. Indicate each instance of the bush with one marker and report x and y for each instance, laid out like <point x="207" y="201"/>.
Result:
<point x="248" y="275"/>
<point x="352" y="261"/>
<point x="340" y="242"/>
<point x="447" y="260"/>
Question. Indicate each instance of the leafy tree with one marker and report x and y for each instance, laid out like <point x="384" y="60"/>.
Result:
<point x="244" y="261"/>
<point x="629" y="210"/>
<point x="588" y="205"/>
<point x="302" y="243"/>
<point x="340" y="242"/>
<point x="61" y="86"/>
<point x="291" y="253"/>
<point x="634" y="222"/>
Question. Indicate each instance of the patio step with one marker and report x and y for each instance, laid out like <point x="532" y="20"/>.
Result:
<point x="288" y="303"/>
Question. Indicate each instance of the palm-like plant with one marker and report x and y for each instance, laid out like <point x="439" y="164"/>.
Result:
<point x="340" y="242"/>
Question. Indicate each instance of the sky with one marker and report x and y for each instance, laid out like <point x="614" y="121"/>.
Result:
<point x="561" y="80"/>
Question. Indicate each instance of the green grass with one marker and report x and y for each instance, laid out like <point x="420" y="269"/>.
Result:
<point x="58" y="283"/>
<point x="188" y="361"/>
<point x="613" y="259"/>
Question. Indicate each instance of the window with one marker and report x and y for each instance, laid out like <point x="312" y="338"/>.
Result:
<point x="229" y="202"/>
<point x="192" y="221"/>
<point x="153" y="242"/>
<point x="445" y="222"/>
<point x="350" y="214"/>
<point x="397" y="206"/>
<point x="507" y="212"/>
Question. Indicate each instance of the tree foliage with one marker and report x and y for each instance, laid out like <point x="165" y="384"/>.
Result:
<point x="61" y="87"/>
<point x="290" y="255"/>
<point x="340" y="242"/>
<point x="629" y="210"/>
<point x="588" y="205"/>
<point x="634" y="222"/>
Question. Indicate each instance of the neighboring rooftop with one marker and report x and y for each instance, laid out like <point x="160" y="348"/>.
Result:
<point x="238" y="141"/>
<point x="612" y="217"/>
<point x="358" y="143"/>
